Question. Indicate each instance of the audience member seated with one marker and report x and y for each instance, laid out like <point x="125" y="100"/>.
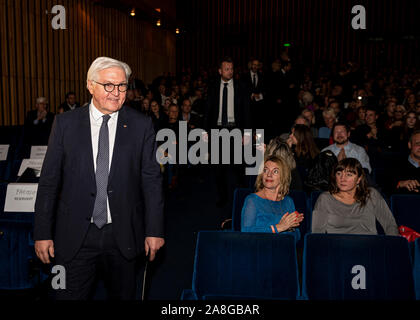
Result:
<point x="173" y="124"/>
<point x="130" y="100"/>
<point x="394" y="128"/>
<point x="343" y="148"/>
<point x="303" y="146"/>
<point x="270" y="209"/>
<point x="280" y="149"/>
<point x="198" y="103"/>
<point x="350" y="206"/>
<point x="193" y="120"/>
<point x="159" y="118"/>
<point x="319" y="175"/>
<point x="309" y="115"/>
<point x="329" y="117"/>
<point x="145" y="106"/>
<point x="411" y="123"/>
<point x="361" y="117"/>
<point x="408" y="177"/>
<point x="69" y="104"/>
<point x="369" y="135"/>
<point x="38" y="124"/>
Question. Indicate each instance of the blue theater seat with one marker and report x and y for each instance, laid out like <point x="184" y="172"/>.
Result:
<point x="237" y="265"/>
<point x="329" y="259"/>
<point x="16" y="253"/>
<point x="416" y="268"/>
<point x="311" y="205"/>
<point x="406" y="210"/>
<point x="238" y="201"/>
<point x="301" y="205"/>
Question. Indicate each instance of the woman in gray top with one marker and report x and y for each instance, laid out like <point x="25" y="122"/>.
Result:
<point x="350" y="206"/>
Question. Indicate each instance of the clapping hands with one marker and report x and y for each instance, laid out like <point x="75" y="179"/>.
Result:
<point x="289" y="220"/>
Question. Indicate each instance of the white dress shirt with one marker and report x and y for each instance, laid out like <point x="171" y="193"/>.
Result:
<point x="352" y="151"/>
<point x="231" y="102"/>
<point x="252" y="78"/>
<point x="95" y="125"/>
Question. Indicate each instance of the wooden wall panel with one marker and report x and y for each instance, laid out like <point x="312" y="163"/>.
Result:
<point x="37" y="60"/>
<point x="318" y="30"/>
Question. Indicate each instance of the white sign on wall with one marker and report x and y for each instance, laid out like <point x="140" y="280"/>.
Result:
<point x="20" y="197"/>
<point x="4" y="149"/>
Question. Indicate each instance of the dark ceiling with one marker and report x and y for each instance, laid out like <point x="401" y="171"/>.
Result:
<point x="146" y="10"/>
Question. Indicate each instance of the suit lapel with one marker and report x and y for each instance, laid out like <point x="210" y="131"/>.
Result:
<point x="86" y="142"/>
<point x="121" y="138"/>
<point x="236" y="97"/>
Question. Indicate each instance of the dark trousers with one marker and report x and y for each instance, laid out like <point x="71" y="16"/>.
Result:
<point x="99" y="257"/>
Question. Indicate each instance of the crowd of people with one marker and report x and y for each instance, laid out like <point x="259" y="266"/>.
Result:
<point x="313" y="118"/>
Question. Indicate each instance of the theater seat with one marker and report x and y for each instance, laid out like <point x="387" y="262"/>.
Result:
<point x="311" y="205"/>
<point x="238" y="265"/>
<point x="16" y="253"/>
<point x="405" y="208"/>
<point x="301" y="205"/>
<point x="353" y="267"/>
<point x="416" y="268"/>
<point x="238" y="201"/>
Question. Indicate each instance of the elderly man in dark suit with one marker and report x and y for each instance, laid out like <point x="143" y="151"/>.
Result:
<point x="99" y="203"/>
<point x="38" y="124"/>
<point x="227" y="107"/>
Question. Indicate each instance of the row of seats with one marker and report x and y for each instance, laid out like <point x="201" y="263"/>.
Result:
<point x="237" y="265"/>
<point x="18" y="150"/>
<point x="404" y="208"/>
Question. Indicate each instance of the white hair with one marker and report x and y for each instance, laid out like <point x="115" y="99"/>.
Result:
<point x="102" y="63"/>
<point x="307" y="98"/>
<point x="41" y="100"/>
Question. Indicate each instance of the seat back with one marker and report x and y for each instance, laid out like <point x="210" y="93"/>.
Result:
<point x="16" y="252"/>
<point x="239" y="265"/>
<point x="405" y="208"/>
<point x="345" y="267"/>
<point x="238" y="202"/>
<point x="311" y="205"/>
<point x="416" y="268"/>
<point x="301" y="205"/>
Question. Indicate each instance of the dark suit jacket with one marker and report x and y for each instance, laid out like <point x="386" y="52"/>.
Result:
<point x="37" y="134"/>
<point x="241" y="105"/>
<point x="67" y="187"/>
<point x="247" y="79"/>
<point x="66" y="107"/>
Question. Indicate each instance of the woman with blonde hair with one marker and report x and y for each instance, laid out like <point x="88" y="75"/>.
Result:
<point x="269" y="209"/>
<point x="278" y="148"/>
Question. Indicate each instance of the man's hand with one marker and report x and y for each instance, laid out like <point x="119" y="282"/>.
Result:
<point x="411" y="185"/>
<point x="341" y="155"/>
<point x="42" y="115"/>
<point x="152" y="245"/>
<point x="44" y="249"/>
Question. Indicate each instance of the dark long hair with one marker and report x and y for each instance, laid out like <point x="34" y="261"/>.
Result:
<point x="306" y="145"/>
<point x="352" y="165"/>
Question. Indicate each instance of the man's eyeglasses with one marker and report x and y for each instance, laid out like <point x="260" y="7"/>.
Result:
<point x="109" y="87"/>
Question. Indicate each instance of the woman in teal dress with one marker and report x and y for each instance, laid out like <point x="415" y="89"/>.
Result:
<point x="269" y="209"/>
